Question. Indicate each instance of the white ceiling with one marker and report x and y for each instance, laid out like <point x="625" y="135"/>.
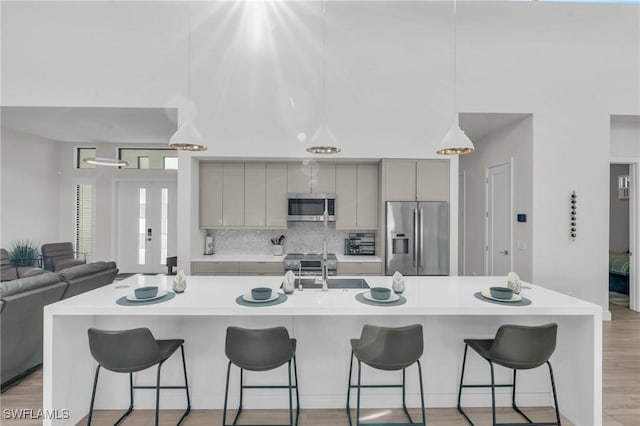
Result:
<point x="82" y="124"/>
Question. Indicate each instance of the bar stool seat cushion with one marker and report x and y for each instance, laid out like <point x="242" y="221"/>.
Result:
<point x="378" y="347"/>
<point x="259" y="350"/>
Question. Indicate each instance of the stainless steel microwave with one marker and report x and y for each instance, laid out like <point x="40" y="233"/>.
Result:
<point x="310" y="207"/>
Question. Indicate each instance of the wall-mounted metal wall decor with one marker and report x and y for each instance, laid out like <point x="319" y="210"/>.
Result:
<point x="573" y="222"/>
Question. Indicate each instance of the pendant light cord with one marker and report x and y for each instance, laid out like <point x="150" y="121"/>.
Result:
<point x="189" y="59"/>
<point x="455" y="62"/>
<point x="324" y="60"/>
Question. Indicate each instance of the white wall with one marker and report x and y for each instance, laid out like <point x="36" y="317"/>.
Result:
<point x="625" y="137"/>
<point x="618" y="211"/>
<point x="389" y="93"/>
<point x="30" y="203"/>
<point x="511" y="144"/>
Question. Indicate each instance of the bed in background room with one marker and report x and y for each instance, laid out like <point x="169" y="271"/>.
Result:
<point x="619" y="272"/>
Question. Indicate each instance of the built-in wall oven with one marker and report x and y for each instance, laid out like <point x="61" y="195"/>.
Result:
<point x="310" y="207"/>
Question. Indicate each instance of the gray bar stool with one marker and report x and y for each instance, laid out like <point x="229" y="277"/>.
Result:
<point x="517" y="347"/>
<point x="387" y="348"/>
<point x="261" y="350"/>
<point x="130" y="351"/>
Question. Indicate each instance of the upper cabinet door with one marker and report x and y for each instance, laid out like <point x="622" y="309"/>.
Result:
<point x="233" y="194"/>
<point x="346" y="196"/>
<point x="276" y="202"/>
<point x="298" y="178"/>
<point x="400" y="180"/>
<point x="367" y="196"/>
<point x="323" y="178"/>
<point x="210" y="195"/>
<point x="432" y="178"/>
<point x="255" y="194"/>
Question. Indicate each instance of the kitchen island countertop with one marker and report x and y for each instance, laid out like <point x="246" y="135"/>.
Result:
<point x="323" y="323"/>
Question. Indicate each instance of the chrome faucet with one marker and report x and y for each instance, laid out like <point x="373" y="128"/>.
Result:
<point x="325" y="287"/>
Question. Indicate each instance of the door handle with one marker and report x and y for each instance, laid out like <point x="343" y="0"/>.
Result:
<point x="506" y="252"/>
<point x="421" y="237"/>
<point x="415" y="237"/>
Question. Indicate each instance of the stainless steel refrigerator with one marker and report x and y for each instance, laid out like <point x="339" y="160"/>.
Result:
<point x="417" y="237"/>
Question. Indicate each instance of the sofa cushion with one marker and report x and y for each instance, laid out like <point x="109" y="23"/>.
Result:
<point x="8" y="273"/>
<point x="9" y="288"/>
<point x="79" y="271"/>
<point x="29" y="271"/>
<point x="65" y="263"/>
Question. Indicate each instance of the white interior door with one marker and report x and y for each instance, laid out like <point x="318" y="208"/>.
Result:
<point x="146" y="224"/>
<point x="498" y="247"/>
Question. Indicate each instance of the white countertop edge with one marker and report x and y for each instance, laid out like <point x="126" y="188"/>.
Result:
<point x="271" y="258"/>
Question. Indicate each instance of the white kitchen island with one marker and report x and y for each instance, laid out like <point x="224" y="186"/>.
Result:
<point x="323" y="323"/>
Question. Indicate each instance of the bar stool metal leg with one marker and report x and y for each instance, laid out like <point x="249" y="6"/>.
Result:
<point x="555" y="396"/>
<point x="424" y="411"/>
<point x="295" y="373"/>
<point x="186" y="387"/>
<point x="349" y="386"/>
<point x="158" y="394"/>
<point x="93" y="395"/>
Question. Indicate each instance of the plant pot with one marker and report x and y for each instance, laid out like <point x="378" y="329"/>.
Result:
<point x="278" y="250"/>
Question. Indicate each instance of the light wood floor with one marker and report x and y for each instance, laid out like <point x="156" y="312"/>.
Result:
<point x="621" y="389"/>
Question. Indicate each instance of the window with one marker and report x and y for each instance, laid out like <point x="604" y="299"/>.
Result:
<point x="149" y="158"/>
<point x="164" y="225"/>
<point x="171" y="163"/>
<point x="143" y="162"/>
<point x="84" y="219"/>
<point x="81" y="154"/>
<point x="142" y="227"/>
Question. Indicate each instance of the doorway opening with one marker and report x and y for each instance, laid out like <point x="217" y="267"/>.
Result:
<point x="621" y="238"/>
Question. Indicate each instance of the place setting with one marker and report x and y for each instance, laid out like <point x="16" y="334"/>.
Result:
<point x="148" y="295"/>
<point x="383" y="296"/>
<point x="509" y="295"/>
<point x="261" y="296"/>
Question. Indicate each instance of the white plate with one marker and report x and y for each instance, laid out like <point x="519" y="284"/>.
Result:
<point x="247" y="298"/>
<point x="133" y="298"/>
<point x="514" y="298"/>
<point x="392" y="298"/>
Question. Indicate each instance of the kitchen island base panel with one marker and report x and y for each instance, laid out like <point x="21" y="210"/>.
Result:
<point x="323" y="355"/>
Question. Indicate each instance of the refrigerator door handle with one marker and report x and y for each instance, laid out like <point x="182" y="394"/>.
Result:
<point x="421" y="237"/>
<point x="415" y="237"/>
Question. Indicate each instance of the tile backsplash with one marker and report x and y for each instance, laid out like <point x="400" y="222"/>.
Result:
<point x="302" y="237"/>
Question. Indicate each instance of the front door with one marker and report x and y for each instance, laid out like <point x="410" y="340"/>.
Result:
<point x="146" y="224"/>
<point x="498" y="215"/>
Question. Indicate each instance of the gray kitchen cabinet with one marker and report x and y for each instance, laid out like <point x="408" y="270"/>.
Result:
<point x="306" y="178"/>
<point x="356" y="196"/>
<point x="276" y="195"/>
<point x="432" y="177"/>
<point x="214" y="268"/>
<point x="299" y="178"/>
<point x="237" y="268"/>
<point x="323" y="178"/>
<point x="255" y="186"/>
<point x="346" y="196"/>
<point x="416" y="180"/>
<point x="367" y="196"/>
<point x="359" y="268"/>
<point x="400" y="180"/>
<point x="261" y="268"/>
<point x="232" y="194"/>
<point x="210" y="195"/>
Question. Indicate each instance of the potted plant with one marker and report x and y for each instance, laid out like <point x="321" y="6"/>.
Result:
<point x="24" y="253"/>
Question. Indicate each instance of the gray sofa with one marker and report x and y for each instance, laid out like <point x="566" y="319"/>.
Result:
<point x="21" y="312"/>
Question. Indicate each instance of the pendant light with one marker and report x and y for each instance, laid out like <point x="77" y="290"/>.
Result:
<point x="455" y="142"/>
<point x="323" y="141"/>
<point x="187" y="137"/>
<point x="101" y="161"/>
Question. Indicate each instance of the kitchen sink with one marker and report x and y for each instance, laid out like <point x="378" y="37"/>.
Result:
<point x="334" y="283"/>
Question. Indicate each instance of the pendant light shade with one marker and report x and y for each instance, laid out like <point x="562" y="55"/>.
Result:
<point x="455" y="142"/>
<point x="187" y="138"/>
<point x="323" y="141"/>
